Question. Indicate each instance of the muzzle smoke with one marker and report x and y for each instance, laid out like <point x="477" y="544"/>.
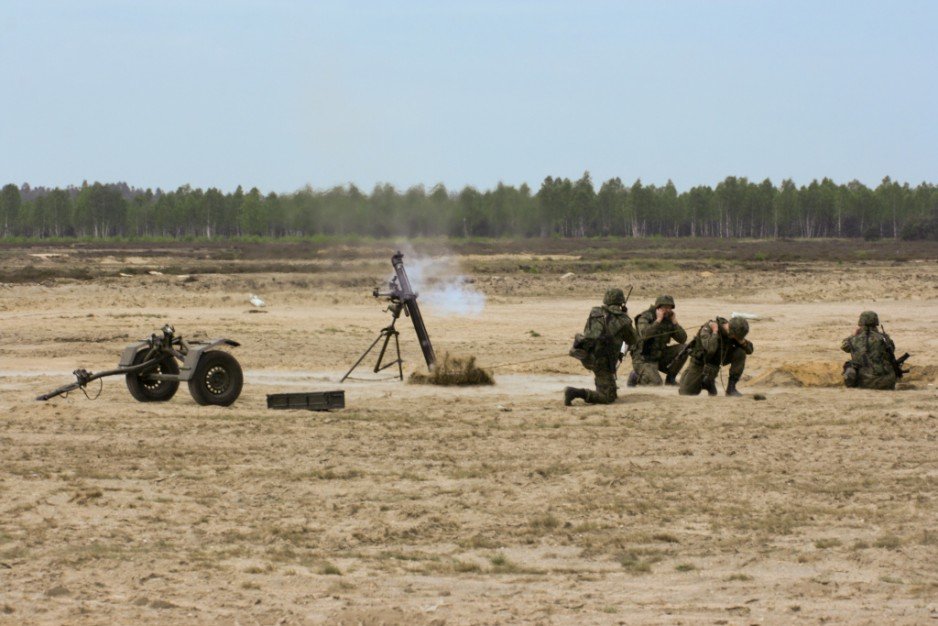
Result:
<point x="440" y="286"/>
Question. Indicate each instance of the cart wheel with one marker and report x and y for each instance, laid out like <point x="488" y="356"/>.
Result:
<point x="145" y="390"/>
<point x="217" y="379"/>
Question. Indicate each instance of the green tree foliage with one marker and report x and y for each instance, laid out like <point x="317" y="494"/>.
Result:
<point x="735" y="207"/>
<point x="10" y="202"/>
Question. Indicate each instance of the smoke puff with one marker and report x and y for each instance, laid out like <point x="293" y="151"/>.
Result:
<point x="439" y="286"/>
<point x="455" y="298"/>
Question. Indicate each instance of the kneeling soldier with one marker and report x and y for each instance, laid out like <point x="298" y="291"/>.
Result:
<point x="606" y="329"/>
<point x="719" y="342"/>
<point x="652" y="354"/>
<point x="872" y="355"/>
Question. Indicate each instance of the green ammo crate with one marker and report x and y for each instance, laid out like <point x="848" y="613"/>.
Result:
<point x="311" y="401"/>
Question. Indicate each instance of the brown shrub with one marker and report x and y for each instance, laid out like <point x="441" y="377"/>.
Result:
<point x="454" y="370"/>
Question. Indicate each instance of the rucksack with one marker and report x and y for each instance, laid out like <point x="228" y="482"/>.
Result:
<point x="873" y="350"/>
<point x="588" y="344"/>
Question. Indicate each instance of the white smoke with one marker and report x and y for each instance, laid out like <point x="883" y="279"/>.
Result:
<point x="455" y="298"/>
<point x="440" y="285"/>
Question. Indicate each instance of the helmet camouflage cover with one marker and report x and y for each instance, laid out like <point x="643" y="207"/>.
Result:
<point x="614" y="296"/>
<point x="869" y="318"/>
<point x="739" y="327"/>
<point x="664" y="301"/>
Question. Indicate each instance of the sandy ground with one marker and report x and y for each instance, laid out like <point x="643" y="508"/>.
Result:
<point x="495" y="505"/>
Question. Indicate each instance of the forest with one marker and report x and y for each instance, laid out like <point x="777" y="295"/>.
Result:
<point x="735" y="208"/>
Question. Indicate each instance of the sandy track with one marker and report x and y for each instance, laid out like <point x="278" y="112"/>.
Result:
<point x="419" y="505"/>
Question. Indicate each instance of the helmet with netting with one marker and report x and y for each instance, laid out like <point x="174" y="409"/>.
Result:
<point x="869" y="318"/>
<point x="614" y="296"/>
<point x="739" y="327"/>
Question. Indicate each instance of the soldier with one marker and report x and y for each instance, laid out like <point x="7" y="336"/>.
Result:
<point x="872" y="355"/>
<point x="719" y="342"/>
<point x="652" y="354"/>
<point x="607" y="327"/>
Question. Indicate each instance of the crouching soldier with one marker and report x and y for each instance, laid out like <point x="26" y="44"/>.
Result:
<point x="600" y="348"/>
<point x="872" y="356"/>
<point x="719" y="342"/>
<point x="656" y="327"/>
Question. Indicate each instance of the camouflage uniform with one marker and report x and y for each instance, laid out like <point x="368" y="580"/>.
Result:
<point x="652" y="354"/>
<point x="871" y="356"/>
<point x="712" y="349"/>
<point x="610" y="325"/>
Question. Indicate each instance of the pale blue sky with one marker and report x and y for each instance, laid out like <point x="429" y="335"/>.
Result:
<point x="280" y="94"/>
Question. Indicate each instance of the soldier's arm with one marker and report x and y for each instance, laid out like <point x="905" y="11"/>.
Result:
<point x="645" y="328"/>
<point x="747" y="346"/>
<point x="679" y="334"/>
<point x="629" y="336"/>
<point x="890" y="346"/>
<point x="847" y="345"/>
<point x="709" y="340"/>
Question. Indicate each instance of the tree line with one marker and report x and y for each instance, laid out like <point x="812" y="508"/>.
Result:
<point x="735" y="207"/>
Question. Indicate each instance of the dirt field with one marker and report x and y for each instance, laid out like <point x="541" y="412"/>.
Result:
<point x="493" y="505"/>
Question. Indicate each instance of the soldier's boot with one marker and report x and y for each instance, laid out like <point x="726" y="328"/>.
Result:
<point x="633" y="379"/>
<point x="731" y="388"/>
<point x="571" y="393"/>
<point x="670" y="379"/>
<point x="711" y="386"/>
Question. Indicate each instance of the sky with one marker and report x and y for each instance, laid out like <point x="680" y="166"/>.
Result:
<point x="282" y="94"/>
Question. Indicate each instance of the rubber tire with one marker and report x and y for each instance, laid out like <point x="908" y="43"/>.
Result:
<point x="217" y="379"/>
<point x="159" y="391"/>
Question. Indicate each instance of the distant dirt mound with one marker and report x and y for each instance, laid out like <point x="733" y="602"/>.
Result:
<point x="807" y="374"/>
<point x="454" y="370"/>
<point x="827" y="374"/>
<point x="920" y="374"/>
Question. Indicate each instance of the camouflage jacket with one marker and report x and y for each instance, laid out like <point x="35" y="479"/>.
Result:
<point x="711" y="347"/>
<point x="871" y="350"/>
<point x="653" y="335"/>
<point x="610" y="327"/>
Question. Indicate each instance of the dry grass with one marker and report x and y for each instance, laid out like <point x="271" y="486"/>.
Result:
<point x="419" y="505"/>
<point x="454" y="370"/>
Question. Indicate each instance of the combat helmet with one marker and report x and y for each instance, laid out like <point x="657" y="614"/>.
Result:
<point x="614" y="296"/>
<point x="664" y="301"/>
<point x="869" y="318"/>
<point x="739" y="327"/>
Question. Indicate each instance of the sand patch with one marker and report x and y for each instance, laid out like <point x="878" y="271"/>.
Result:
<point x="807" y="374"/>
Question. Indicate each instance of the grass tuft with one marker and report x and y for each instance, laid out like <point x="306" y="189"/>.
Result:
<point x="889" y="542"/>
<point x="454" y="370"/>
<point x="633" y="563"/>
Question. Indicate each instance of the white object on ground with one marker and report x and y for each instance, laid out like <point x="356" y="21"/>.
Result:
<point x="745" y="316"/>
<point x="256" y="300"/>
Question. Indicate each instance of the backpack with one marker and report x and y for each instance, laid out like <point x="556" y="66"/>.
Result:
<point x="588" y="345"/>
<point x="875" y="351"/>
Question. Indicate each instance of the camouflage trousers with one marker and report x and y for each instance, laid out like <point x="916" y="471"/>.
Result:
<point x="693" y="377"/>
<point x="605" y="393"/>
<point x="866" y="378"/>
<point x="647" y="371"/>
